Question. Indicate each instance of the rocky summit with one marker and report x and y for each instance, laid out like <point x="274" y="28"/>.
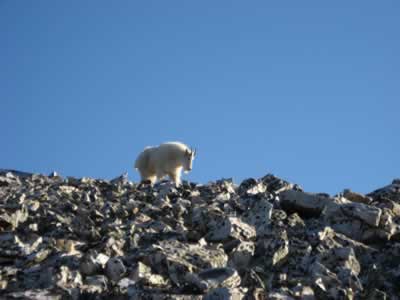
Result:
<point x="266" y="238"/>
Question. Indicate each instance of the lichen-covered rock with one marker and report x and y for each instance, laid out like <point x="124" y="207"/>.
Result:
<point x="229" y="228"/>
<point x="273" y="249"/>
<point x="367" y="213"/>
<point x="258" y="215"/>
<point x="176" y="259"/>
<point x="240" y="257"/>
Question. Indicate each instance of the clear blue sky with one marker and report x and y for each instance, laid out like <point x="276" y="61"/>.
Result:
<point x="306" y="90"/>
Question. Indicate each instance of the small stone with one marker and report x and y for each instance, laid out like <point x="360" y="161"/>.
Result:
<point x="143" y="273"/>
<point x="223" y="293"/>
<point x="95" y="284"/>
<point x="241" y="256"/>
<point x="115" y="269"/>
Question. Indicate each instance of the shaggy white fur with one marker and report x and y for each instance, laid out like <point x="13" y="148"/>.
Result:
<point x="170" y="158"/>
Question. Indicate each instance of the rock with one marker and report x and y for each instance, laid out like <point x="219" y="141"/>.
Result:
<point x="13" y="219"/>
<point x="351" y="227"/>
<point x="376" y="294"/>
<point x="251" y="187"/>
<point x="143" y="273"/>
<point x="259" y="215"/>
<point x="224" y="294"/>
<point x="392" y="206"/>
<point x="90" y="265"/>
<point x="356" y="197"/>
<point x="391" y="192"/>
<point x="183" y="258"/>
<point x="220" y="277"/>
<point x="231" y="227"/>
<point x="273" y="249"/>
<point x="125" y="283"/>
<point x="303" y="292"/>
<point x="277" y="185"/>
<point x="95" y="284"/>
<point x="122" y="179"/>
<point x="115" y="269"/>
<point x="306" y="204"/>
<point x="322" y="278"/>
<point x="241" y="255"/>
<point x="67" y="278"/>
<point x="367" y="213"/>
<point x="72" y="238"/>
<point x="9" y="178"/>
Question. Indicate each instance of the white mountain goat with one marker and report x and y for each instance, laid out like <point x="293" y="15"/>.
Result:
<point x="153" y="163"/>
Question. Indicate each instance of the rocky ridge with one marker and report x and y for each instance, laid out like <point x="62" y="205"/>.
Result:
<point x="266" y="238"/>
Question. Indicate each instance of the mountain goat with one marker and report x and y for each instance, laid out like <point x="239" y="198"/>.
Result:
<point x="153" y="163"/>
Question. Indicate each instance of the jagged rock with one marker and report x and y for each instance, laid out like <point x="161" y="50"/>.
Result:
<point x="67" y="278"/>
<point x="367" y="213"/>
<point x="278" y="185"/>
<point x="241" y="255"/>
<point x="72" y="238"/>
<point x="181" y="259"/>
<point x="95" y="284"/>
<point x="115" y="269"/>
<point x="259" y="215"/>
<point x="220" y="277"/>
<point x="143" y="273"/>
<point x="12" y="219"/>
<point x="391" y="192"/>
<point x="125" y="283"/>
<point x="8" y="178"/>
<point x="351" y="227"/>
<point x="13" y="246"/>
<point x="231" y="227"/>
<point x="273" y="249"/>
<point x="392" y="206"/>
<point x="279" y="296"/>
<point x="307" y="204"/>
<point x="92" y="263"/>
<point x="251" y="187"/>
<point x="356" y="197"/>
<point x="122" y="179"/>
<point x="322" y="278"/>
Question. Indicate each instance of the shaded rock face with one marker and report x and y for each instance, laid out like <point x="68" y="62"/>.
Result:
<point x="70" y="238"/>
